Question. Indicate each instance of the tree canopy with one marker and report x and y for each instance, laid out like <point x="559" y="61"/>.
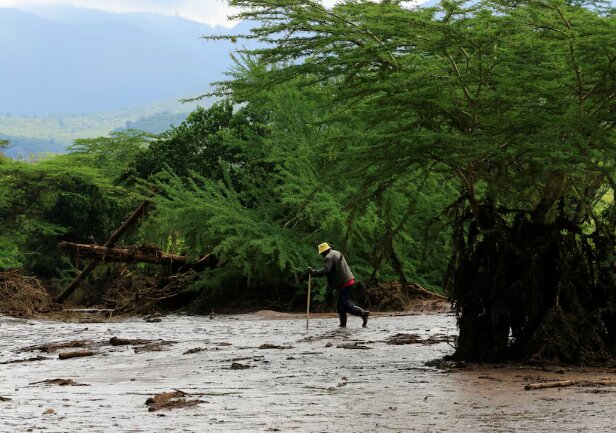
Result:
<point x="513" y="102"/>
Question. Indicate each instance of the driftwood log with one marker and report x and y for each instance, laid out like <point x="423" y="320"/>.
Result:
<point x="563" y="383"/>
<point x="542" y="385"/>
<point x="420" y="289"/>
<point x="75" y="354"/>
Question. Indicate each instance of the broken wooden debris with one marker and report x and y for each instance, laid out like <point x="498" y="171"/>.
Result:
<point x="60" y="382"/>
<point x="274" y="346"/>
<point x="88" y="310"/>
<point x="22" y="296"/>
<point x="565" y="383"/>
<point x="137" y="213"/>
<point x="17" y="361"/>
<point x="142" y="345"/>
<point x="75" y="354"/>
<point x="420" y="289"/>
<point x="400" y="339"/>
<point x="52" y="347"/>
<point x="117" y="341"/>
<point x="136" y="253"/>
<point x="194" y="350"/>
<point x="170" y="400"/>
<point x="354" y="345"/>
<point x="438" y="338"/>
<point x="157" y="346"/>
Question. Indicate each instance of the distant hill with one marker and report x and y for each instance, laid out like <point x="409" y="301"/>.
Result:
<point x="154" y="124"/>
<point x="66" y="60"/>
<point x="29" y="136"/>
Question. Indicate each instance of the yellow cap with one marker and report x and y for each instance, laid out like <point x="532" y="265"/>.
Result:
<point x="323" y="247"/>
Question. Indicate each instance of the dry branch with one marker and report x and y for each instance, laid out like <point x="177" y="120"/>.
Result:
<point x="137" y="213"/>
<point x="18" y="361"/>
<point x="134" y="253"/>
<point x="144" y="299"/>
<point x="124" y="255"/>
<point x="52" y="347"/>
<point x="424" y="291"/>
<point x="21" y="295"/>
<point x="563" y="383"/>
<point x="559" y="384"/>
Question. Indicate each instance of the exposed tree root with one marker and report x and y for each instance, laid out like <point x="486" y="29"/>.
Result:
<point x="534" y="291"/>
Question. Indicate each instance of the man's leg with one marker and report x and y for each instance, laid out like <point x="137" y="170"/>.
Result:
<point x="357" y="311"/>
<point x="352" y="308"/>
<point x="342" y="313"/>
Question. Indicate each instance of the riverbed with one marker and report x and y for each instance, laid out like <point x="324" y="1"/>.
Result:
<point x="267" y="372"/>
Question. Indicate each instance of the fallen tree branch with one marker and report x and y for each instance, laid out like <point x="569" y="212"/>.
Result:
<point x="559" y="384"/>
<point x="564" y="383"/>
<point x="135" y="254"/>
<point x="420" y="289"/>
<point x="137" y="213"/>
<point x="52" y="347"/>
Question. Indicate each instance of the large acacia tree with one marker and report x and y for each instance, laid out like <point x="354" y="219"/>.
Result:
<point x="513" y="100"/>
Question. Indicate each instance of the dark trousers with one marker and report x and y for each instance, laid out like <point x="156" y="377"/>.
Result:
<point x="346" y="306"/>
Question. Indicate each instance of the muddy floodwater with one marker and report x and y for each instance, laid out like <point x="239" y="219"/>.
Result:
<point x="266" y="372"/>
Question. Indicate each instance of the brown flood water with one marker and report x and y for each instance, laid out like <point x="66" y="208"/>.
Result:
<point x="314" y="386"/>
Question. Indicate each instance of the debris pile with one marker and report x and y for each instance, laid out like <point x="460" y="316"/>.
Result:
<point x="22" y="296"/>
<point x="170" y="400"/>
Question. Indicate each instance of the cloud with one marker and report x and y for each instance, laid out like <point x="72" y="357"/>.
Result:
<point x="212" y="12"/>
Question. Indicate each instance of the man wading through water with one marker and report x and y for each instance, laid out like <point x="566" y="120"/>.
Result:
<point x="340" y="278"/>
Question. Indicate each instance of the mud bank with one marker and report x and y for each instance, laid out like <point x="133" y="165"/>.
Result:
<point x="266" y="372"/>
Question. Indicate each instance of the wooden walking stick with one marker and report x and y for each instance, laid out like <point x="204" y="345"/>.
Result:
<point x="308" y="302"/>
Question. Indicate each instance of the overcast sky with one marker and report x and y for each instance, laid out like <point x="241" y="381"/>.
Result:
<point x="212" y="12"/>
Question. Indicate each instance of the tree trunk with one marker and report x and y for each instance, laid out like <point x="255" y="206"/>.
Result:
<point x="137" y="213"/>
<point x="134" y="254"/>
<point x="529" y="290"/>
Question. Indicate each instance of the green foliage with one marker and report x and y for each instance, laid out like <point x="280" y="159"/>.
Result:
<point x="69" y="197"/>
<point x="257" y="186"/>
<point x="483" y="93"/>
<point x="208" y="142"/>
<point x="211" y="218"/>
<point x="509" y="106"/>
<point x="112" y="158"/>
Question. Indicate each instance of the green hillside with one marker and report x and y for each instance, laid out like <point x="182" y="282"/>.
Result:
<point x="53" y="134"/>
